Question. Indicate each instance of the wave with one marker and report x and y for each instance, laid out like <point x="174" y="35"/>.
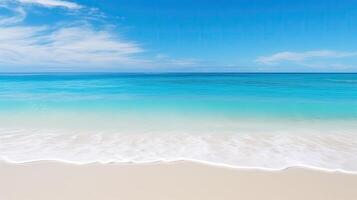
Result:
<point x="269" y="151"/>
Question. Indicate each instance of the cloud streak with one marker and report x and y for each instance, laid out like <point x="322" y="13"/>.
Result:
<point x="52" y="3"/>
<point x="19" y="15"/>
<point x="77" y="46"/>
<point x="297" y="57"/>
<point x="71" y="45"/>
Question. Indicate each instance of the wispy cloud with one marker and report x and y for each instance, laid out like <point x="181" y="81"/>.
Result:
<point x="74" y="45"/>
<point x="53" y="3"/>
<point x="19" y="15"/>
<point x="297" y="57"/>
<point x="79" y="45"/>
<point x="163" y="59"/>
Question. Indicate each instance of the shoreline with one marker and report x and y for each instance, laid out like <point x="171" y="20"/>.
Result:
<point x="183" y="160"/>
<point x="43" y="180"/>
<point x="265" y="151"/>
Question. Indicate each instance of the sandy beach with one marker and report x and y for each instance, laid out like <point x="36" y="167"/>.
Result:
<point x="178" y="180"/>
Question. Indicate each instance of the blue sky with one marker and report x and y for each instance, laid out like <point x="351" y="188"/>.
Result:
<point x="178" y="35"/>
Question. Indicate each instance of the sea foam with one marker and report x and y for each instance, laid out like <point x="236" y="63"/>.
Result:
<point x="253" y="150"/>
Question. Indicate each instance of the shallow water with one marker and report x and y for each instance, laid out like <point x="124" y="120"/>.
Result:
<point x="244" y="120"/>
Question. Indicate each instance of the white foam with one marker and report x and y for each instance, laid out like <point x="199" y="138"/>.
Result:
<point x="272" y="151"/>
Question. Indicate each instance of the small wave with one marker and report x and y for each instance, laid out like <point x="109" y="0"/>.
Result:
<point x="332" y="152"/>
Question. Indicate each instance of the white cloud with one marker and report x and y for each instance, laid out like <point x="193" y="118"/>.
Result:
<point x="68" y="47"/>
<point x="74" y="45"/>
<point x="18" y="16"/>
<point x="302" y="56"/>
<point x="52" y="3"/>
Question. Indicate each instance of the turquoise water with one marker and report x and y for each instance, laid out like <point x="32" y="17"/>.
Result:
<point x="296" y="96"/>
<point x="250" y="120"/>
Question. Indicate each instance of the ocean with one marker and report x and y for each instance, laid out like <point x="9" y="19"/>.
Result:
<point x="250" y="120"/>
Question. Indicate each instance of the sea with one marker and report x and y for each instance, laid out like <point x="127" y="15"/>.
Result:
<point x="243" y="120"/>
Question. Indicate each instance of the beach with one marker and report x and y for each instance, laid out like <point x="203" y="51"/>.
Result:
<point x="228" y="136"/>
<point x="178" y="100"/>
<point x="175" y="180"/>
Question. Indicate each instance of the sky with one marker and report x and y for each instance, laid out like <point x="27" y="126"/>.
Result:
<point x="178" y="35"/>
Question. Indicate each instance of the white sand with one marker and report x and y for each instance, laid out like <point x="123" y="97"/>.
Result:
<point x="170" y="181"/>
